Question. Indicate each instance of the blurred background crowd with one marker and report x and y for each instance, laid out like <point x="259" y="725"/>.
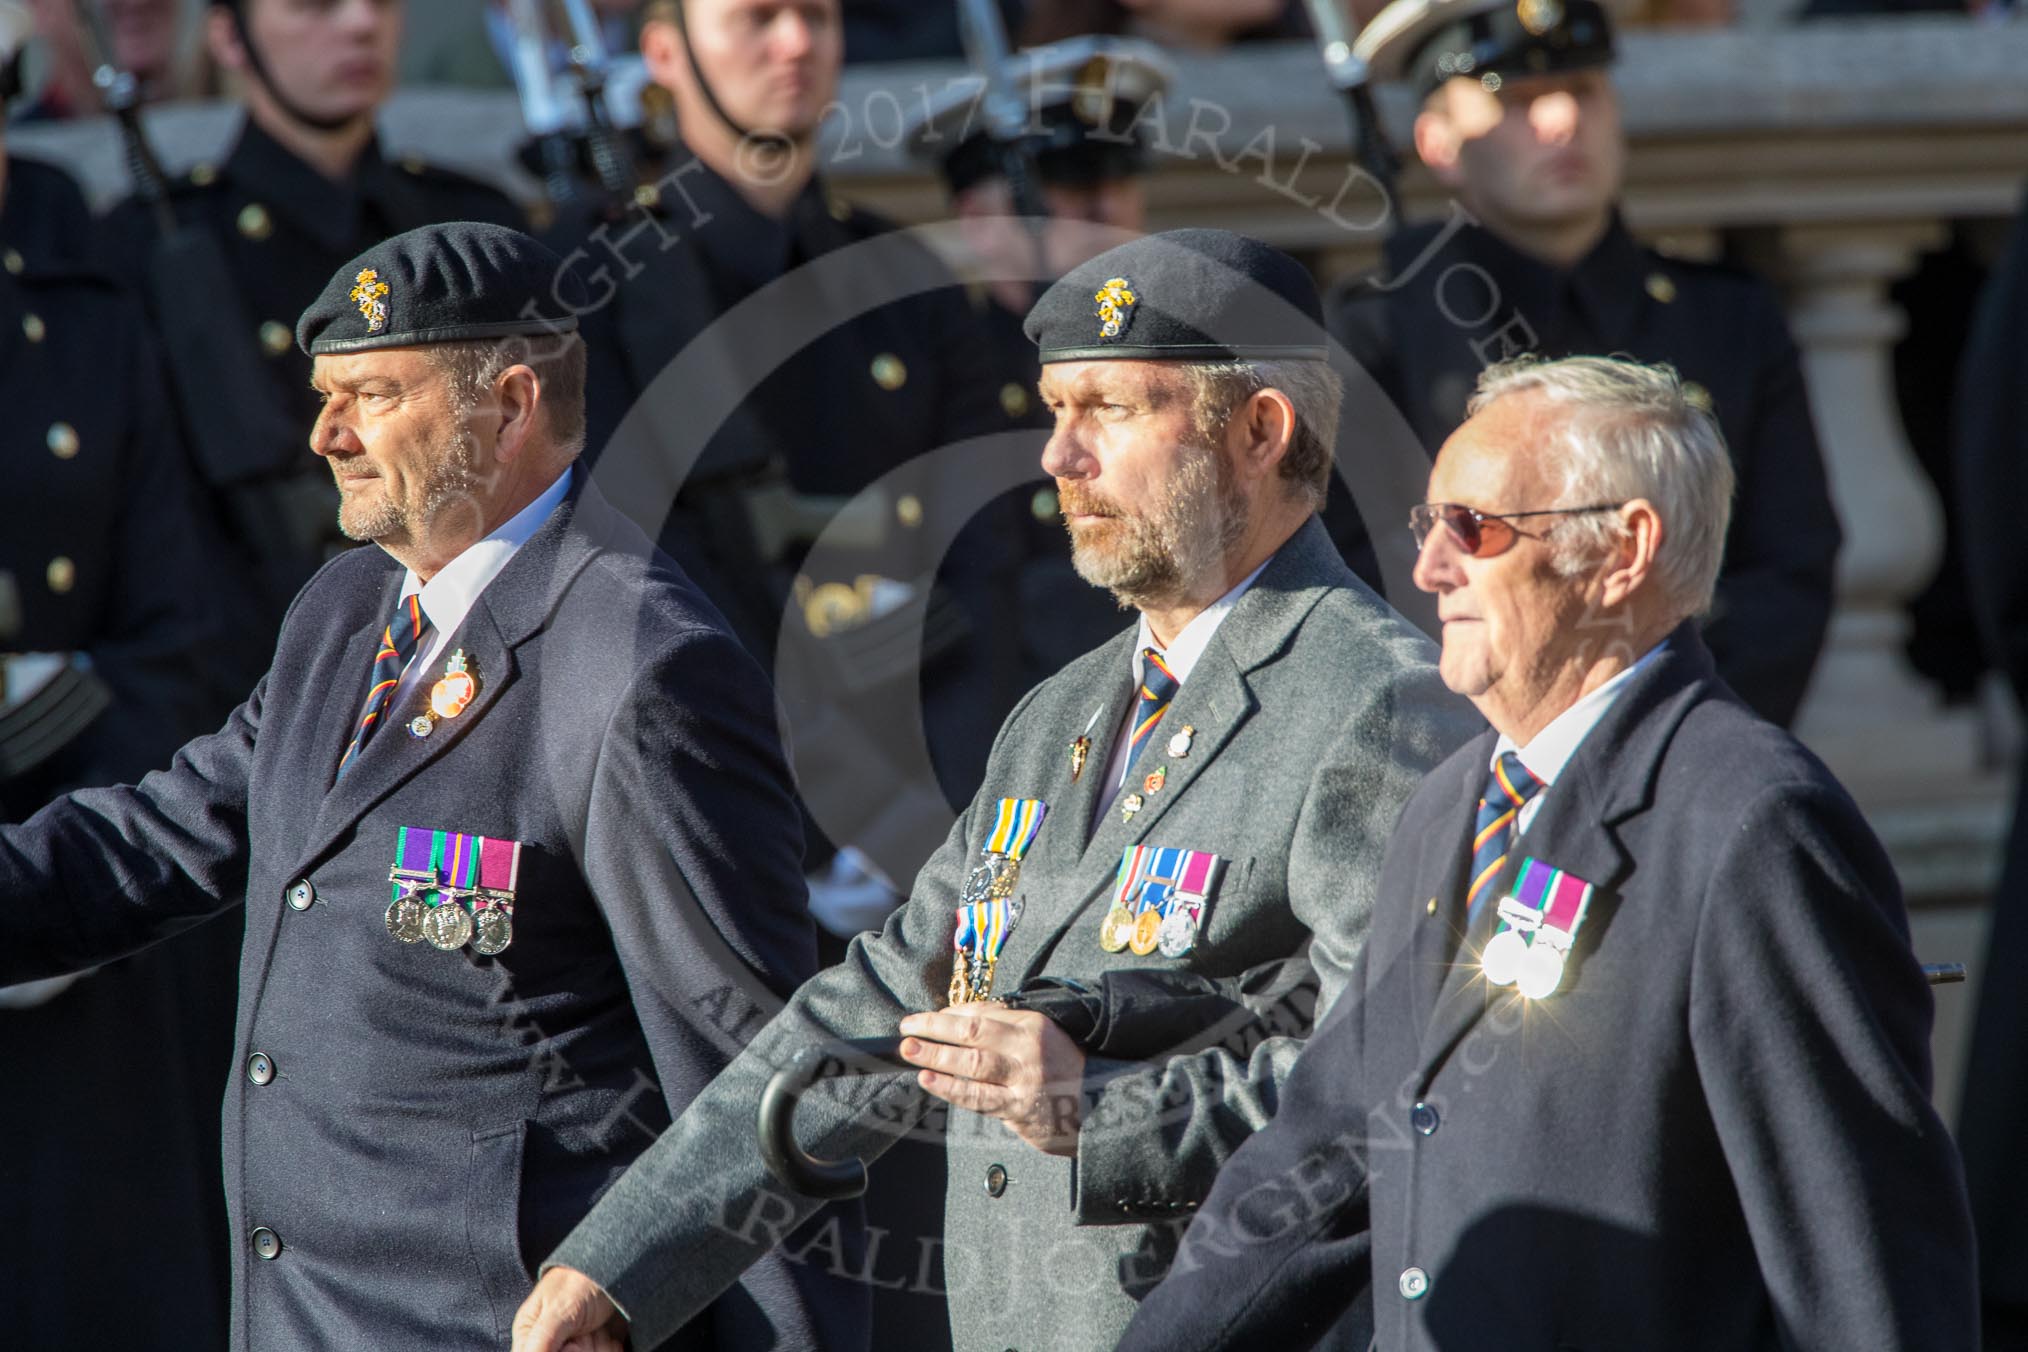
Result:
<point x="1809" y="208"/>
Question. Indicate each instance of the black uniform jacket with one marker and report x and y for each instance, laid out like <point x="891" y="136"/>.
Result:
<point x="410" y="1126"/>
<point x="1457" y="298"/>
<point x="737" y="357"/>
<point x="1716" y="1134"/>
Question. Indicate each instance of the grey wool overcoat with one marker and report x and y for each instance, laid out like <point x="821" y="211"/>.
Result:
<point x="1314" y="712"/>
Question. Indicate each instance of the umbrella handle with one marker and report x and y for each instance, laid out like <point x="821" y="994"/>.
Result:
<point x="827" y="1180"/>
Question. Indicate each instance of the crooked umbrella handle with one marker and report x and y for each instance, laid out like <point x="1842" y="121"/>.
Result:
<point x="827" y="1180"/>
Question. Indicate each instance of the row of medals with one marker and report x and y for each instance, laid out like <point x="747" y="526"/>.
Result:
<point x="488" y="927"/>
<point x="1175" y="934"/>
<point x="992" y="880"/>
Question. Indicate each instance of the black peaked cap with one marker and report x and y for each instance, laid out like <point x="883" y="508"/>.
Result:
<point x="448" y="283"/>
<point x="1183" y="295"/>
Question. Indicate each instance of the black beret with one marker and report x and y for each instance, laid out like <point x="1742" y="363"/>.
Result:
<point x="1430" y="41"/>
<point x="447" y="283"/>
<point x="1183" y="295"/>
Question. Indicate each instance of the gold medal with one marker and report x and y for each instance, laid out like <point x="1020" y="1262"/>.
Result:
<point x="1147" y="932"/>
<point x="1117" y="930"/>
<point x="1179" y="932"/>
<point x="960" y="992"/>
<point x="448" y="926"/>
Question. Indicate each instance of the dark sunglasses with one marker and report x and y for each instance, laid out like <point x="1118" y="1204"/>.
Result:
<point x="1482" y="534"/>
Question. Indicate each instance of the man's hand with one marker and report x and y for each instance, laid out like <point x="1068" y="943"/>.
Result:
<point x="1011" y="1064"/>
<point x="566" y="1312"/>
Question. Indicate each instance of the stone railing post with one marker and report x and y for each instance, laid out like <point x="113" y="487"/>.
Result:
<point x="1868" y="714"/>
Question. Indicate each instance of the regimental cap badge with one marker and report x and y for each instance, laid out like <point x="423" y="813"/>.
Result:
<point x="1116" y="302"/>
<point x="370" y="294"/>
<point x="1539" y="16"/>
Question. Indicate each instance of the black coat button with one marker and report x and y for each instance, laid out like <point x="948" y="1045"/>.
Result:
<point x="260" y="1068"/>
<point x="1423" y="1118"/>
<point x="301" y="895"/>
<point x="996" y="1180"/>
<point x="267" y="1243"/>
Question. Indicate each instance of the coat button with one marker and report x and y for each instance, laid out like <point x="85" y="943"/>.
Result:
<point x="1414" y="1283"/>
<point x="267" y="1243"/>
<point x="1044" y="506"/>
<point x="889" y="371"/>
<point x="61" y="575"/>
<point x="301" y="895"/>
<point x="908" y="510"/>
<point x="1014" y="399"/>
<point x="1661" y="287"/>
<point x="1423" y="1118"/>
<point x="260" y="1068"/>
<point x="62" y="441"/>
<point x="276" y="338"/>
<point x="14" y="262"/>
<point x="255" y="223"/>
<point x="996" y="1180"/>
<point x="33" y="327"/>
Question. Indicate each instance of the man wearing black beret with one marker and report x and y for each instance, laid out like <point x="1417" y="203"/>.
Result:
<point x="1205" y="796"/>
<point x="511" y="826"/>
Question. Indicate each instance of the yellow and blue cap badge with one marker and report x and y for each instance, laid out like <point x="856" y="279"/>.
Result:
<point x="369" y="293"/>
<point x="1116" y="301"/>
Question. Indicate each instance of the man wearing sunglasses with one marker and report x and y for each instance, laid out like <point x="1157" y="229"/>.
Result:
<point x="1637" y="1055"/>
<point x="1520" y="122"/>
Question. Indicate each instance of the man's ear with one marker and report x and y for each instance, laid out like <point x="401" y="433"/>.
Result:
<point x="1437" y="142"/>
<point x="1265" y="428"/>
<point x="662" y="54"/>
<point x="517" y="394"/>
<point x="221" y="39"/>
<point x="1631" y="564"/>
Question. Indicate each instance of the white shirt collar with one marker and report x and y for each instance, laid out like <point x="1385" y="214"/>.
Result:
<point x="1183" y="651"/>
<point x="449" y="596"/>
<point x="1551" y="749"/>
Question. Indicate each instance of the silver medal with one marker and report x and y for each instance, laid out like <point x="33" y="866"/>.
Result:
<point x="448" y="926"/>
<point x="405" y="918"/>
<point x="493" y="930"/>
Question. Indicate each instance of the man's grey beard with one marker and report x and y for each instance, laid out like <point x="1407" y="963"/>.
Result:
<point x="1159" y="557"/>
<point x="449" y="482"/>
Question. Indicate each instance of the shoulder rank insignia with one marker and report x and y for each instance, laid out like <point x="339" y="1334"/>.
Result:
<point x="1116" y="302"/>
<point x="370" y="293"/>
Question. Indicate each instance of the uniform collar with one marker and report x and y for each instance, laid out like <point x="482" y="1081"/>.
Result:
<point x="1551" y="749"/>
<point x="450" y="595"/>
<point x="748" y="246"/>
<point x="1603" y="292"/>
<point x="1182" y="653"/>
<point x="328" y="211"/>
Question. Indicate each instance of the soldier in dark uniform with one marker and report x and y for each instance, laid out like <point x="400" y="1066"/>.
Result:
<point x="1083" y="96"/>
<point x="304" y="188"/>
<point x="1521" y="122"/>
<point x="108" y="583"/>
<point x="764" y="354"/>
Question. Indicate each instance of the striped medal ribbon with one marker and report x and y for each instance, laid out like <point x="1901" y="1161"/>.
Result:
<point x="1539" y="922"/>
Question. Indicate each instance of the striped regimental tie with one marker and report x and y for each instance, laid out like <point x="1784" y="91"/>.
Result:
<point x="397" y="646"/>
<point x="1508" y="788"/>
<point x="1158" y="690"/>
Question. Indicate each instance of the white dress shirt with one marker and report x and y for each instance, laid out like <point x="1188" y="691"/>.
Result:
<point x="1181" y="657"/>
<point x="449" y="596"/>
<point x="1551" y="749"/>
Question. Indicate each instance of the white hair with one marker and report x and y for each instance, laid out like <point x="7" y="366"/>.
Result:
<point x="1630" y="431"/>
